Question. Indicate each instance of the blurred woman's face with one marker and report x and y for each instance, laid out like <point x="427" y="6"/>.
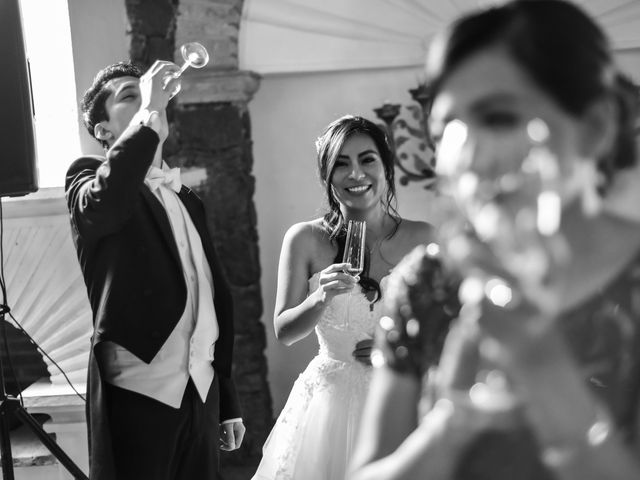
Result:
<point x="496" y="101"/>
<point x="511" y="157"/>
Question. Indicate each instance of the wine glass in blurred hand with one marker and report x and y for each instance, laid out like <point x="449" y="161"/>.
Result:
<point x="354" y="249"/>
<point x="507" y="186"/>
<point x="195" y="55"/>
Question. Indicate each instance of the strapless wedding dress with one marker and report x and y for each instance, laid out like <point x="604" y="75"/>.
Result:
<point x="314" y="435"/>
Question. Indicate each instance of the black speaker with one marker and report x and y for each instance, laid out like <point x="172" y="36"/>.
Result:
<point x="18" y="172"/>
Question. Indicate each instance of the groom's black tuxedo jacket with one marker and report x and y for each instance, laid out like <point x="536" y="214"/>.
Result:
<point x="132" y="268"/>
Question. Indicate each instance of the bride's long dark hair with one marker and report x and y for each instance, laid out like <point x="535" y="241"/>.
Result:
<point x="328" y="146"/>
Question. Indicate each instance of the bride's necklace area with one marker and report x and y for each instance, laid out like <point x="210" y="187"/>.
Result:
<point x="374" y="249"/>
<point x="376" y="256"/>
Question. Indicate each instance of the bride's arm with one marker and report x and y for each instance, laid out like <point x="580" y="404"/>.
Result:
<point x="296" y="310"/>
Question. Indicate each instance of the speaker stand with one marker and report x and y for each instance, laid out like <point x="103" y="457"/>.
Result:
<point x="10" y="408"/>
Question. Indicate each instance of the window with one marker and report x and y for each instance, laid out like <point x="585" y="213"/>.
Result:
<point x="47" y="35"/>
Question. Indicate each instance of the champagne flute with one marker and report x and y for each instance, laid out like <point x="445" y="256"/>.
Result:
<point x="354" y="246"/>
<point x="195" y="55"/>
<point x="354" y="249"/>
<point x="510" y="197"/>
<point x="507" y="186"/>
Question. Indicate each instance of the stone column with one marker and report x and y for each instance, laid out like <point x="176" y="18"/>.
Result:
<point x="210" y="141"/>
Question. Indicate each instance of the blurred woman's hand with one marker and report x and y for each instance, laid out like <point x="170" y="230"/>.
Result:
<point x="461" y="379"/>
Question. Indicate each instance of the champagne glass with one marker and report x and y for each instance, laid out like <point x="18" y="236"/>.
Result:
<point x="354" y="246"/>
<point x="354" y="249"/>
<point x="195" y="55"/>
<point x="507" y="186"/>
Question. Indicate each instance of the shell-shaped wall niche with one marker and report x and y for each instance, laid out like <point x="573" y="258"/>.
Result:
<point x="278" y="36"/>
<point x="46" y="292"/>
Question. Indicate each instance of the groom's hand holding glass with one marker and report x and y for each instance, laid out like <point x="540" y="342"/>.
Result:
<point x="155" y="94"/>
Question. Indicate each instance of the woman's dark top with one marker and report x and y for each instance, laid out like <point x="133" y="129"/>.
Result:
<point x="603" y="333"/>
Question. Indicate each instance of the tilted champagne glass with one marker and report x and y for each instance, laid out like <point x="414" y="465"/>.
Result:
<point x="354" y="249"/>
<point x="195" y="55"/>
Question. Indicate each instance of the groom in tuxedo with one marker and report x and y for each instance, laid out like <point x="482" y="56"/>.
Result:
<point x="161" y="400"/>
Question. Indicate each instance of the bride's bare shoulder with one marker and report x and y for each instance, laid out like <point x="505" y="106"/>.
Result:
<point x="416" y="232"/>
<point x="310" y="235"/>
<point x="308" y="231"/>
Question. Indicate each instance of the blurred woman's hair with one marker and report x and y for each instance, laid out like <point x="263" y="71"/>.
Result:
<point x="559" y="47"/>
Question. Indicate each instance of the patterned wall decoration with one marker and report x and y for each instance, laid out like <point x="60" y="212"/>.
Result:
<point x="45" y="289"/>
<point x="408" y="132"/>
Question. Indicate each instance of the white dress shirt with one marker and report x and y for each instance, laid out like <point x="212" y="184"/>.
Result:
<point x="189" y="350"/>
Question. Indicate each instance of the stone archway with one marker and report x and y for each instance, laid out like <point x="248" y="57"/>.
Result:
<point x="211" y="142"/>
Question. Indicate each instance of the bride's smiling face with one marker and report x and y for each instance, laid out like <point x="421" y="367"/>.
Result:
<point x="358" y="177"/>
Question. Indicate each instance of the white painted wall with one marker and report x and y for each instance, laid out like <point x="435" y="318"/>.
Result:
<point x="288" y="112"/>
<point x="629" y="62"/>
<point x="99" y="38"/>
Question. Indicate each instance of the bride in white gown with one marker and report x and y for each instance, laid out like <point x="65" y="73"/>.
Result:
<point x="314" y="435"/>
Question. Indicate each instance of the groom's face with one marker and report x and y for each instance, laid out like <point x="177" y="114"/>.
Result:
<point x="121" y="105"/>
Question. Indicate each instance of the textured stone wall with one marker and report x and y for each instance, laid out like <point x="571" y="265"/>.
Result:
<point x="211" y="141"/>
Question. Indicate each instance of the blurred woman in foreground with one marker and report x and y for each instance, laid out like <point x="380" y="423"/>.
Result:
<point x="540" y="376"/>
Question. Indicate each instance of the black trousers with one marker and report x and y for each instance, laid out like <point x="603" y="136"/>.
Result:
<point x="156" y="442"/>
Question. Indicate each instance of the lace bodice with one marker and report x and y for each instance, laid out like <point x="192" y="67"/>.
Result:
<point x="347" y="319"/>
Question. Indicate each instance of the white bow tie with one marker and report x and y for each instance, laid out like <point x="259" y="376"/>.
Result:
<point x="170" y="178"/>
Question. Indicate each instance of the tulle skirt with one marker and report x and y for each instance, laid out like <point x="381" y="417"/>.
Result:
<point x="315" y="434"/>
